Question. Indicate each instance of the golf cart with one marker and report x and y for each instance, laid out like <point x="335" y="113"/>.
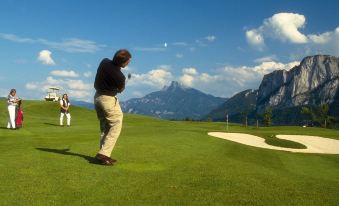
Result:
<point x="52" y="94"/>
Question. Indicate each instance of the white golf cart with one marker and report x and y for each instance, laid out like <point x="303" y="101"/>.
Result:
<point x="52" y="94"/>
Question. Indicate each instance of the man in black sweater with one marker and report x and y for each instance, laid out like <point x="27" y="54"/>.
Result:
<point x="109" y="81"/>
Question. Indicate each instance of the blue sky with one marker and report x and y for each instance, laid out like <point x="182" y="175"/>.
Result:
<point x="219" y="47"/>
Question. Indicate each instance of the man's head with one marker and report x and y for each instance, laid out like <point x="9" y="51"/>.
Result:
<point x="122" y="58"/>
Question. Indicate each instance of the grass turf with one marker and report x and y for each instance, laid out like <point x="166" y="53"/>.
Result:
<point x="159" y="163"/>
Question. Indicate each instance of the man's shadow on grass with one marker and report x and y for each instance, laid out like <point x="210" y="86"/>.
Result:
<point x="90" y="159"/>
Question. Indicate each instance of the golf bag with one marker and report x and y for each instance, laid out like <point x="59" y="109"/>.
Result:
<point x="19" y="118"/>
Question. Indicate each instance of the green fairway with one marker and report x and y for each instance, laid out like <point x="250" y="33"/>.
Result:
<point x="159" y="163"/>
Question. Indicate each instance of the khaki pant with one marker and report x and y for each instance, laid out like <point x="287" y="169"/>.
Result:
<point x="110" y="116"/>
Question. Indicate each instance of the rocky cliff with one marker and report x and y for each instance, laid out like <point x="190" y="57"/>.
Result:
<point x="315" y="81"/>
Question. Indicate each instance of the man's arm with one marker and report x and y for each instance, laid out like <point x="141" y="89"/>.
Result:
<point x="122" y="88"/>
<point x="121" y="82"/>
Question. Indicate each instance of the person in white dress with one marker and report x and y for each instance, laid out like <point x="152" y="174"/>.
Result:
<point x="12" y="102"/>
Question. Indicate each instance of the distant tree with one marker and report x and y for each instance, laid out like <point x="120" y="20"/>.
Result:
<point x="243" y="116"/>
<point x="319" y="114"/>
<point x="324" y="115"/>
<point x="188" y="119"/>
<point x="267" y="117"/>
<point x="257" y="117"/>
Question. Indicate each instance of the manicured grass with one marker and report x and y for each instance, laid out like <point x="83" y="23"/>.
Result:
<point x="159" y="163"/>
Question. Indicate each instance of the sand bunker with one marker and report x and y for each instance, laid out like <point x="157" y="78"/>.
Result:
<point x="314" y="144"/>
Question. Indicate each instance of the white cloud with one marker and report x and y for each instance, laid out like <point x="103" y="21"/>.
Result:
<point x="75" y="88"/>
<point x="45" y="57"/>
<point x="32" y="86"/>
<point x="43" y="86"/>
<point x="211" y="38"/>
<point x="79" y="94"/>
<point x="224" y="81"/>
<point x="179" y="55"/>
<point x="227" y="81"/>
<point x="183" y="44"/>
<point x="156" y="78"/>
<point x="78" y="85"/>
<point x="266" y="59"/>
<point x="201" y="42"/>
<point x="88" y="74"/>
<point x="270" y="66"/>
<point x="207" y="78"/>
<point x="189" y="75"/>
<point x="150" y="49"/>
<point x="321" y="38"/>
<point x="187" y="80"/>
<point x="65" y="73"/>
<point x="190" y="71"/>
<point x="14" y="38"/>
<point x="192" y="49"/>
<point x="286" y="28"/>
<point x="255" y="39"/>
<point x="71" y="45"/>
<point x="327" y="42"/>
<point x="282" y="26"/>
<point x="165" y="67"/>
<point x="205" y="40"/>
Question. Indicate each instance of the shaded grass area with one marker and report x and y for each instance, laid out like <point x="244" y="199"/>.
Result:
<point x="159" y="163"/>
<point x="284" y="143"/>
<point x="274" y="141"/>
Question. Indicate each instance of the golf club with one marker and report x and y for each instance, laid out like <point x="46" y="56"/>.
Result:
<point x="129" y="76"/>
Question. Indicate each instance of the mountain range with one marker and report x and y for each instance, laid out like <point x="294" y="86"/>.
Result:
<point x="174" y="102"/>
<point x="87" y="105"/>
<point x="312" y="83"/>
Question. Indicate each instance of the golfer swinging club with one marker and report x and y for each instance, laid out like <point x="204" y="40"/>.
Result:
<point x="110" y="81"/>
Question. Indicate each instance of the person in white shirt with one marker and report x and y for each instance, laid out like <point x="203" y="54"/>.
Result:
<point x="64" y="110"/>
<point x="12" y="102"/>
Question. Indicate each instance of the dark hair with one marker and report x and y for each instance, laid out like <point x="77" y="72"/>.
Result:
<point x="12" y="90"/>
<point x="121" y="57"/>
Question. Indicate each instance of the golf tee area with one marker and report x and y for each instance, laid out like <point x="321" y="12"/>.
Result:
<point x="160" y="162"/>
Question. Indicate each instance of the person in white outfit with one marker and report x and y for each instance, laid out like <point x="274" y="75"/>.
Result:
<point x="64" y="110"/>
<point x="12" y="102"/>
